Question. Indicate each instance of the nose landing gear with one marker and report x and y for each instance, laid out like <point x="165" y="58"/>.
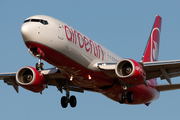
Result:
<point x="39" y="65"/>
<point x="37" y="52"/>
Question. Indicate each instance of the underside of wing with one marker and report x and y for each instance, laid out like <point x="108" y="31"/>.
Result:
<point x="53" y="77"/>
<point x="59" y="80"/>
<point x="10" y="79"/>
<point x="162" y="69"/>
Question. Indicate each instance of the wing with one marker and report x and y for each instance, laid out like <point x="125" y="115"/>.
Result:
<point x="10" y="79"/>
<point x="162" y="69"/>
<point x="53" y="77"/>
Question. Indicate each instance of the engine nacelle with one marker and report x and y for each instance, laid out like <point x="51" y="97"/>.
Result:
<point x="30" y="79"/>
<point x="130" y="71"/>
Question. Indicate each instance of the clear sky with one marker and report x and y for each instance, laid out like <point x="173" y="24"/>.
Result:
<point x="123" y="26"/>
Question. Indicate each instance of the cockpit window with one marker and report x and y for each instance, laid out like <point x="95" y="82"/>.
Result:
<point x="35" y="20"/>
<point x="26" y="20"/>
<point x="44" y="22"/>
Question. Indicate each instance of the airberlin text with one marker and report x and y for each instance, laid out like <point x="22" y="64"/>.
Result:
<point x="83" y="42"/>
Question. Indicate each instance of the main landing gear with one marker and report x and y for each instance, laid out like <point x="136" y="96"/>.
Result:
<point x="125" y="95"/>
<point x="66" y="99"/>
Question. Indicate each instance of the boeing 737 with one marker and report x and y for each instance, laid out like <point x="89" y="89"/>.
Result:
<point x="83" y="64"/>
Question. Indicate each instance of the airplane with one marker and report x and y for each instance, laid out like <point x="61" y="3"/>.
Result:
<point x="81" y="64"/>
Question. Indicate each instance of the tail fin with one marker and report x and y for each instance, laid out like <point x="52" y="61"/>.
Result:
<point x="151" y="52"/>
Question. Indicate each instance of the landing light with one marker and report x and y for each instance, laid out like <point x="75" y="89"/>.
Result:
<point x="71" y="78"/>
<point x="89" y="77"/>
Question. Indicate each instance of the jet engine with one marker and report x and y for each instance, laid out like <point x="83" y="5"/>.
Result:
<point x="130" y="71"/>
<point x="30" y="79"/>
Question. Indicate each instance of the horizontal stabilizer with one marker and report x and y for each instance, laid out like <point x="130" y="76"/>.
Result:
<point x="168" y="87"/>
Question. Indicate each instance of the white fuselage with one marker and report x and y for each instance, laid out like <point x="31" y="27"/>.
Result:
<point x="67" y="41"/>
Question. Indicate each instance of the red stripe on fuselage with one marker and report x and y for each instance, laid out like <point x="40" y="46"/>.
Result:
<point x="142" y="94"/>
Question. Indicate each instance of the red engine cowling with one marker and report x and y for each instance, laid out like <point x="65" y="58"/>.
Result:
<point x="130" y="71"/>
<point x="30" y="79"/>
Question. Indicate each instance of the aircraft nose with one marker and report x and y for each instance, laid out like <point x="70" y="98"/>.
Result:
<point x="25" y="31"/>
<point x="29" y="32"/>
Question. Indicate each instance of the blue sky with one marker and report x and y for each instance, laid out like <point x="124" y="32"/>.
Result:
<point x="120" y="25"/>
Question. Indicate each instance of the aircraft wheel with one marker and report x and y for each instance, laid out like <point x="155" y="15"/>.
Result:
<point x="121" y="98"/>
<point x="42" y="66"/>
<point x="130" y="97"/>
<point x="73" y="101"/>
<point x="64" y="102"/>
<point x="37" y="66"/>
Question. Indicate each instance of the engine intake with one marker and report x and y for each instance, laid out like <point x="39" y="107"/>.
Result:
<point x="125" y="68"/>
<point x="130" y="71"/>
<point x="30" y="79"/>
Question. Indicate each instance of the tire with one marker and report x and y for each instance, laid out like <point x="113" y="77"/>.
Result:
<point x="42" y="66"/>
<point x="37" y="66"/>
<point x="130" y="97"/>
<point x="64" y="102"/>
<point x="121" y="98"/>
<point x="73" y="101"/>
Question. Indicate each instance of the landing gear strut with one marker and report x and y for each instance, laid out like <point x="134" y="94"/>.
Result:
<point x="34" y="52"/>
<point x="124" y="95"/>
<point x="39" y="65"/>
<point x="66" y="99"/>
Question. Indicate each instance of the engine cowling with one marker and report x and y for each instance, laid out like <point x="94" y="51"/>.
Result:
<point x="30" y="79"/>
<point x="130" y="71"/>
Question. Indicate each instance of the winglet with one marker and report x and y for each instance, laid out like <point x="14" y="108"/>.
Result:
<point x="151" y="52"/>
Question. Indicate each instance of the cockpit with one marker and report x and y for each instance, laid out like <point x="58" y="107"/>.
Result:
<point x="44" y="22"/>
